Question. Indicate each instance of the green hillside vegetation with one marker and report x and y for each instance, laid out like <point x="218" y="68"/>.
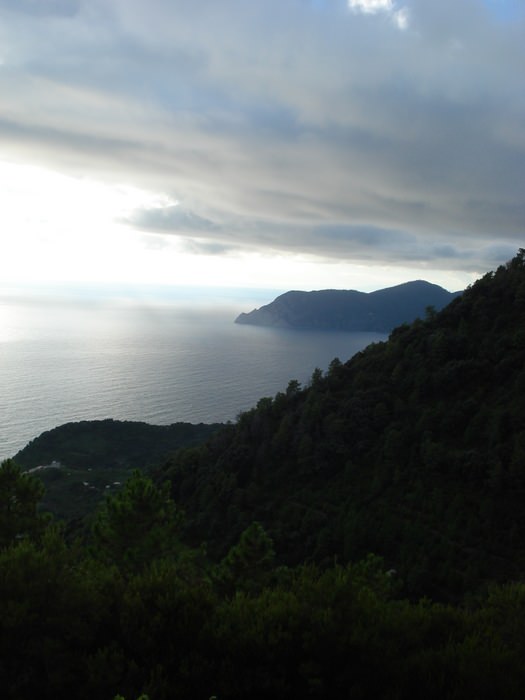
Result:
<point x="335" y="517"/>
<point x="90" y="457"/>
<point x="414" y="450"/>
<point x="133" y="611"/>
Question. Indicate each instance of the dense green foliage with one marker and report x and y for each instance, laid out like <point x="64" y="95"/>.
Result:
<point x="136" y="522"/>
<point x="75" y="622"/>
<point x="19" y="497"/>
<point x="111" y="443"/>
<point x="413" y="450"/>
<point x="94" y="456"/>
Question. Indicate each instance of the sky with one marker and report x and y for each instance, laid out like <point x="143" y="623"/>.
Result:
<point x="275" y="144"/>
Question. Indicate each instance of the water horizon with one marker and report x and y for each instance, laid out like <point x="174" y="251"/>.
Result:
<point x="160" y="361"/>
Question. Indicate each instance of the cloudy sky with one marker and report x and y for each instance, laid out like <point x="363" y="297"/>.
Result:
<point x="270" y="143"/>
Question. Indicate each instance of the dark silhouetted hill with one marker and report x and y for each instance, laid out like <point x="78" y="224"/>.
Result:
<point x="414" y="450"/>
<point x="91" y="458"/>
<point x="348" y="310"/>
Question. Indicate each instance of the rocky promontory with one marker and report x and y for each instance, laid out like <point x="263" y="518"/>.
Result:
<point x="350" y="310"/>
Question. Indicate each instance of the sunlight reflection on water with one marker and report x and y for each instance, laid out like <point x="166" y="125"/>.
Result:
<point x="158" y="364"/>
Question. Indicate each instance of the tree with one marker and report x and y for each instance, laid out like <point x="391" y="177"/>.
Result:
<point x="138" y="524"/>
<point x="293" y="388"/>
<point x="20" y="494"/>
<point x="249" y="563"/>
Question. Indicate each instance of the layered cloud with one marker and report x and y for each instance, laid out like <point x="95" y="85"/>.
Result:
<point x="368" y="129"/>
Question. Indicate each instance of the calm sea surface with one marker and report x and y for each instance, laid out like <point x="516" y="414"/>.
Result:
<point x="156" y="363"/>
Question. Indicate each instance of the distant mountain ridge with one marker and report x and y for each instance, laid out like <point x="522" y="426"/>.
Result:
<point x="350" y="310"/>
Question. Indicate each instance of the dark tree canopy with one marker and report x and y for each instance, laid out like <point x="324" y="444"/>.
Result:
<point x="20" y="494"/>
<point x="323" y="523"/>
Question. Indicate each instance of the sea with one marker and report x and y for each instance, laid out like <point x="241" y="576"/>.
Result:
<point x="160" y="360"/>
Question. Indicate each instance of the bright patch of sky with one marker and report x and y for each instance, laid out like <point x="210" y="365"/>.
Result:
<point x="41" y="247"/>
<point x="371" y="6"/>
<point x="57" y="227"/>
<point x="399" y="15"/>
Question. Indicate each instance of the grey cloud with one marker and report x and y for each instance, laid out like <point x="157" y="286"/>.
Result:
<point x="365" y="236"/>
<point x="447" y="251"/>
<point x="197" y="247"/>
<point x="287" y="125"/>
<point x="172" y="219"/>
<point x="495" y="254"/>
<point x="364" y="244"/>
<point x="41" y="8"/>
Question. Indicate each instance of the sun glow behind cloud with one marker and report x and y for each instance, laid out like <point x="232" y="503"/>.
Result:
<point x="57" y="227"/>
<point x="61" y="229"/>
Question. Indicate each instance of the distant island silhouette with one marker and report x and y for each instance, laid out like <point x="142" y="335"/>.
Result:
<point x="350" y="310"/>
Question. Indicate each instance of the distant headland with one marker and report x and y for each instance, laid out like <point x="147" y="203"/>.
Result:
<point x="350" y="310"/>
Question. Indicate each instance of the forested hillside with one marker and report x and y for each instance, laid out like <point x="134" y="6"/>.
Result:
<point x="110" y="443"/>
<point x="300" y="552"/>
<point x="89" y="457"/>
<point x="414" y="449"/>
